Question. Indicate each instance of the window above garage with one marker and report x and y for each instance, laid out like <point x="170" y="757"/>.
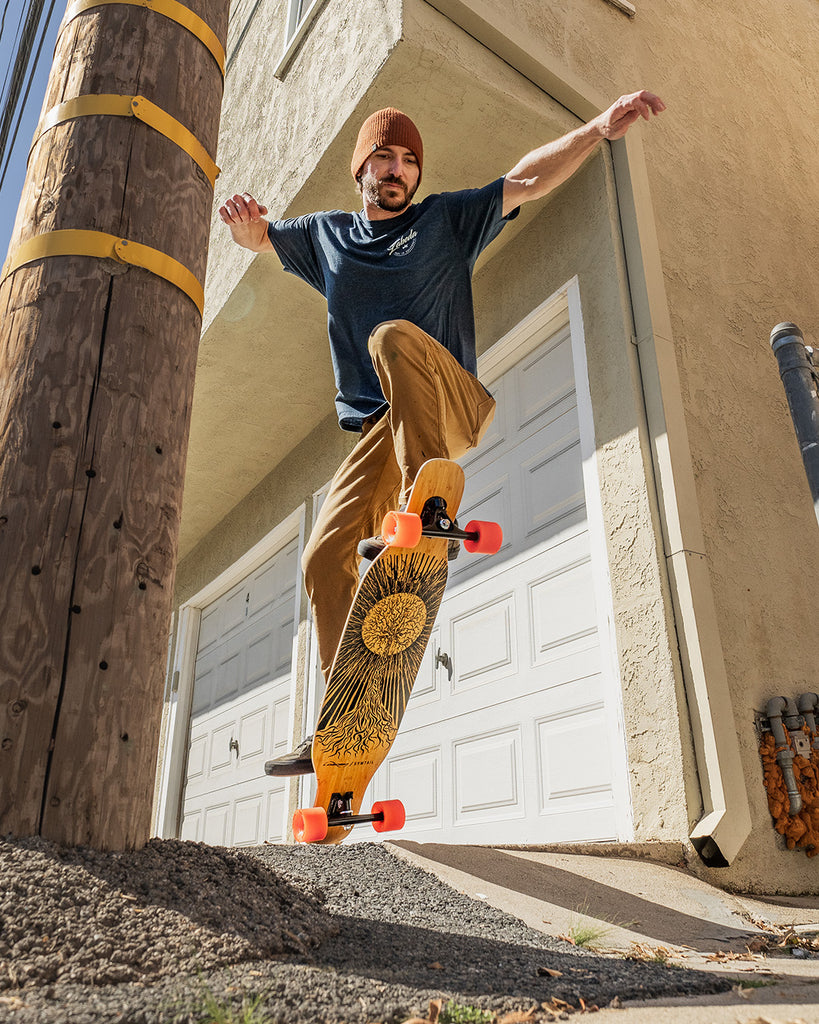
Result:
<point x="300" y="15"/>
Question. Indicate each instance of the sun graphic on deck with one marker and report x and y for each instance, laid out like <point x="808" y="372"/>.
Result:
<point x="381" y="651"/>
<point x="393" y="624"/>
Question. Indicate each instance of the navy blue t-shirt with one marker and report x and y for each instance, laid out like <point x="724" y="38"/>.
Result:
<point x="417" y="266"/>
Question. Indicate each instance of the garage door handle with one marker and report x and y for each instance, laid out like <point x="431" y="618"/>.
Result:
<point x="442" y="658"/>
<point x="234" y="745"/>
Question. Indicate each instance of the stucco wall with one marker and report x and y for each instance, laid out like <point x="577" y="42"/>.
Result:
<point x="733" y="180"/>
<point x="274" y="130"/>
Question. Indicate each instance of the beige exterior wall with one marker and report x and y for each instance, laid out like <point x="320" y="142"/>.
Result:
<point x="705" y="502"/>
<point x="740" y="255"/>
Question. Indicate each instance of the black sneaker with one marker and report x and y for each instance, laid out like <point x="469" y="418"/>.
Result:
<point x="297" y="762"/>
<point x="371" y="547"/>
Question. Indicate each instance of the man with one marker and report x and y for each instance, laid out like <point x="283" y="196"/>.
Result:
<point x="399" y="274"/>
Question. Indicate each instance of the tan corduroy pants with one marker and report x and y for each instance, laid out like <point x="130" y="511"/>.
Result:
<point x="437" y="409"/>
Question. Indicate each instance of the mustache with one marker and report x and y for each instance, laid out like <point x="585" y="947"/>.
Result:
<point x="391" y="180"/>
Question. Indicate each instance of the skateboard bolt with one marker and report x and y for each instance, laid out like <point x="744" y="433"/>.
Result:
<point x="445" y="524"/>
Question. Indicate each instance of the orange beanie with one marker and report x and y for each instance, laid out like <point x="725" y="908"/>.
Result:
<point x="388" y="127"/>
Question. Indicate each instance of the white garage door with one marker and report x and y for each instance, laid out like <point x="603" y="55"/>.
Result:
<point x="241" y="708"/>
<point x="512" y="734"/>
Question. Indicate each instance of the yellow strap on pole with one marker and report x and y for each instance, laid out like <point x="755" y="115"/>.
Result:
<point x="162" y="265"/>
<point x="170" y="9"/>
<point x="139" y="107"/>
<point x="161" y="121"/>
<point x="101" y="245"/>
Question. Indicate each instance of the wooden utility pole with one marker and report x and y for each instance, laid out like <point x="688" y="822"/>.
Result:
<point x="97" y="358"/>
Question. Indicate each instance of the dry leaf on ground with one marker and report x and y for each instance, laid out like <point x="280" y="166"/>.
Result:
<point x="556" y="1005"/>
<point x="434" y="1013"/>
<point x="721" y="955"/>
<point x="518" y="1016"/>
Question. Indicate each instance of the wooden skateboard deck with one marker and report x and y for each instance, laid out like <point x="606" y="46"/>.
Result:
<point x="380" y="654"/>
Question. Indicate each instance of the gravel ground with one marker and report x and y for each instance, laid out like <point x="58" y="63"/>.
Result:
<point x="323" y="935"/>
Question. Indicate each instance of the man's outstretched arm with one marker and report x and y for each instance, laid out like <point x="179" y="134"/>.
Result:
<point x="549" y="166"/>
<point x="245" y="218"/>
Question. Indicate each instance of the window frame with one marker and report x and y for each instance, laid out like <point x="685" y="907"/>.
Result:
<point x="300" y="16"/>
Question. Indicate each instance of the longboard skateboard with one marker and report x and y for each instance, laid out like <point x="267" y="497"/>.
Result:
<point x="380" y="653"/>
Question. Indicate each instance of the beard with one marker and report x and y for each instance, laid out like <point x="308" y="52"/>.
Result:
<point x="393" y="200"/>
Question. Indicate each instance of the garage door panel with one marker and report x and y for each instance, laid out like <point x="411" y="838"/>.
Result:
<point x="563" y="617"/>
<point x="275" y="822"/>
<point x="247" y="820"/>
<point x="203" y="684"/>
<point x="414" y="777"/>
<point x="482" y="644"/>
<point x="280" y="731"/>
<point x="427" y="685"/>
<point x="221" y="754"/>
<point x="229" y="674"/>
<point x="283" y="648"/>
<point x="544" y="385"/>
<point x="197" y="757"/>
<point x="591" y="824"/>
<point x="235" y="610"/>
<point x="215" y="824"/>
<point x="488" y="776"/>
<point x="253" y="733"/>
<point x="563" y="683"/>
<point x="241" y="707"/>
<point x="275" y="582"/>
<point x="258" y="711"/>
<point x="261" y="658"/>
<point x="267" y="644"/>
<point x="210" y="628"/>
<point x="574" y="758"/>
<point x="192" y="826"/>
<point x="553" y="488"/>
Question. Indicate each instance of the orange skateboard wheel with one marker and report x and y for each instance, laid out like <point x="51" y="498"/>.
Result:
<point x="310" y="824"/>
<point x="489" y="539"/>
<point x="401" y="529"/>
<point x="394" y="815"/>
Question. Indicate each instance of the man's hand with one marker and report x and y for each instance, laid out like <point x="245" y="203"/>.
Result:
<point x="245" y="218"/>
<point x="621" y="115"/>
<point x="544" y="169"/>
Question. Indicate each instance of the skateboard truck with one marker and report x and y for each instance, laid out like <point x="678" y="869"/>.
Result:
<point x="310" y="824"/>
<point x="339" y="812"/>
<point x="405" y="529"/>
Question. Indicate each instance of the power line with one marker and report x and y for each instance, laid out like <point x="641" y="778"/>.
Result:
<point x="21" y="62"/>
<point x="3" y="19"/>
<point x="25" y="97"/>
<point x="14" y="45"/>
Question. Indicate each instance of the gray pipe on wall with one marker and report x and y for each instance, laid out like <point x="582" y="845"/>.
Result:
<point x="774" y="709"/>
<point x="799" y="378"/>
<point x="807" y="704"/>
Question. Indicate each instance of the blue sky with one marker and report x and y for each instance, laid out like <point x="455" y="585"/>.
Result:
<point x="16" y="172"/>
